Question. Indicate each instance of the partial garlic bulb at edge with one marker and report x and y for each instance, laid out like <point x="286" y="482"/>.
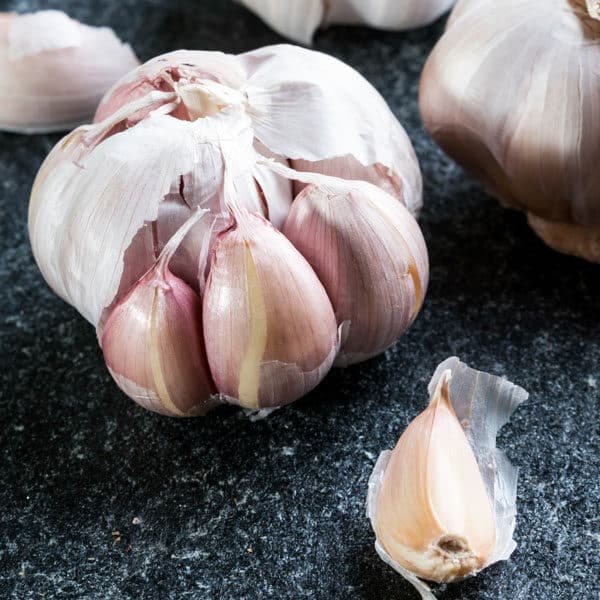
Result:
<point x="512" y="92"/>
<point x="299" y="19"/>
<point x="442" y="503"/>
<point x="54" y="70"/>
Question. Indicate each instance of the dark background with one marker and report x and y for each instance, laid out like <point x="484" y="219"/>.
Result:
<point x="232" y="509"/>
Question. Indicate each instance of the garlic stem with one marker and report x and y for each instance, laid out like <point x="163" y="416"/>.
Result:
<point x="593" y="8"/>
<point x="207" y="98"/>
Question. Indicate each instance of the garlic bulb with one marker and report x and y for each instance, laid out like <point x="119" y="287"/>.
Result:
<point x="210" y="131"/>
<point x="370" y="255"/>
<point x="270" y="330"/>
<point x="517" y="104"/>
<point x="54" y="70"/>
<point x="442" y="503"/>
<point x="299" y="19"/>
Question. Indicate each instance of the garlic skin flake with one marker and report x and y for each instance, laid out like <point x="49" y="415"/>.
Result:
<point x="443" y="502"/>
<point x="299" y="19"/>
<point x="370" y="255"/>
<point x="529" y="131"/>
<point x="270" y="330"/>
<point x="54" y="70"/>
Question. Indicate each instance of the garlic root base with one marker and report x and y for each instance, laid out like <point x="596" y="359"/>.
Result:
<point x="569" y="238"/>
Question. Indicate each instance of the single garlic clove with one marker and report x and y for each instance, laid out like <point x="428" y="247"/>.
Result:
<point x="370" y="255"/>
<point x="269" y="327"/>
<point x="54" y="70"/>
<point x="434" y="516"/>
<point x="152" y="342"/>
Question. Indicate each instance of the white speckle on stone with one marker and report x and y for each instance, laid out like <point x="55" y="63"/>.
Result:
<point x="136" y="521"/>
<point x="288" y="451"/>
<point x="592" y="382"/>
<point x="369" y="455"/>
<point x="19" y="427"/>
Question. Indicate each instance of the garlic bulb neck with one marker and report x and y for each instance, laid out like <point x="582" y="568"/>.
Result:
<point x="206" y="98"/>
<point x="593" y="9"/>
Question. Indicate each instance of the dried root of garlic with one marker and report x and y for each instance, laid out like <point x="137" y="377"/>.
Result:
<point x="299" y="19"/>
<point x="191" y="311"/>
<point x="443" y="502"/>
<point x="55" y="70"/>
<point x="512" y="93"/>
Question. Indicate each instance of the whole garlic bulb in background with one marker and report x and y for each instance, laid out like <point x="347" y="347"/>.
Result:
<point x="443" y="501"/>
<point x="299" y="19"/>
<point x="54" y="70"/>
<point x="512" y="92"/>
<point x="111" y="206"/>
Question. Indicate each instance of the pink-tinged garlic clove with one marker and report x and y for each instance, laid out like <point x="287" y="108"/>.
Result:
<point x="369" y="253"/>
<point x="269" y="327"/>
<point x="152" y="341"/>
<point x="54" y="70"/>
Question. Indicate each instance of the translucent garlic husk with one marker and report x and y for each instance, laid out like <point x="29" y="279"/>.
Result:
<point x="443" y="502"/>
<point x="299" y="19"/>
<point x="370" y="255"/>
<point x="54" y="70"/>
<point x="529" y="131"/>
<point x="152" y="340"/>
<point x="270" y="330"/>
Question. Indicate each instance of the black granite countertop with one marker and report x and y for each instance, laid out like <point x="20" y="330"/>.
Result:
<point x="102" y="500"/>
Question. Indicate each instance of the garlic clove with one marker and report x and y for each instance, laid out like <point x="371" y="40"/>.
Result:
<point x="434" y="516"/>
<point x="370" y="255"/>
<point x="54" y="70"/>
<point x="295" y="19"/>
<point x="152" y="341"/>
<point x="269" y="327"/>
<point x="443" y="502"/>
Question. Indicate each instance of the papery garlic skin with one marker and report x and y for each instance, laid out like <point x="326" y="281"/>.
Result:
<point x="529" y="131"/>
<point x="370" y="255"/>
<point x="54" y="70"/>
<point x="434" y="516"/>
<point x="299" y="19"/>
<point x="269" y="327"/>
<point x="443" y="502"/>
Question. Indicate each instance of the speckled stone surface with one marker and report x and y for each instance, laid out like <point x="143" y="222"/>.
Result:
<point x="101" y="500"/>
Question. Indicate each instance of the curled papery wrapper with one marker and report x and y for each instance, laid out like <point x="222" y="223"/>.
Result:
<point x="443" y="502"/>
<point x="219" y="133"/>
<point x="55" y="70"/>
<point x="512" y="92"/>
<point x="299" y="19"/>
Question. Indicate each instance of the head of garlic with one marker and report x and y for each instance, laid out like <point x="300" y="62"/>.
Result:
<point x="443" y="501"/>
<point x="55" y="70"/>
<point x="512" y="92"/>
<point x="221" y="133"/>
<point x="300" y="19"/>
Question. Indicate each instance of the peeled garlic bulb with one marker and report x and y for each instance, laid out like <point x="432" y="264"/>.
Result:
<point x="511" y="91"/>
<point x="152" y="341"/>
<point x="54" y="70"/>
<point x="299" y="19"/>
<point x="369" y="253"/>
<point x="270" y="330"/>
<point x="442" y="503"/>
<point x="217" y="132"/>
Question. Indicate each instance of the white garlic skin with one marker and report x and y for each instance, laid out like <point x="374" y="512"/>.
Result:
<point x="433" y="515"/>
<point x="511" y="92"/>
<point x="269" y="328"/>
<point x="369" y="253"/>
<point x="54" y="70"/>
<point x="299" y="19"/>
<point x="153" y="347"/>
